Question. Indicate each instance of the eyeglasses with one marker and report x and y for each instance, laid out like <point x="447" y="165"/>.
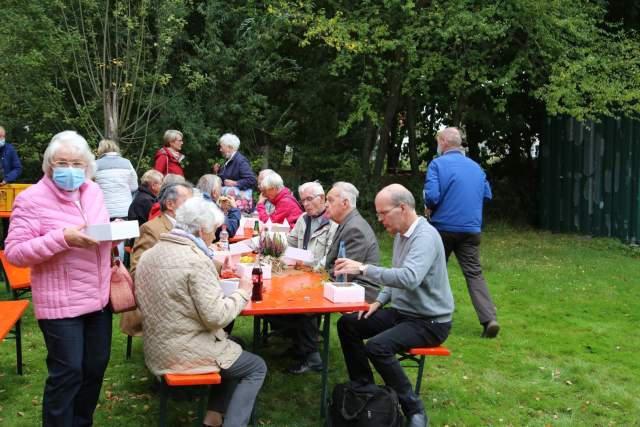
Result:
<point x="64" y="164"/>
<point x="309" y="199"/>
<point x="381" y="215"/>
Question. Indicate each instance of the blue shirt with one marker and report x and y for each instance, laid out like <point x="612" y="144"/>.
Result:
<point x="455" y="189"/>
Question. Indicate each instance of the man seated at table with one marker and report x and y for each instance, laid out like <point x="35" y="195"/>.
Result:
<point x="171" y="197"/>
<point x="360" y="244"/>
<point x="286" y="206"/>
<point x="313" y="230"/>
<point x="211" y="188"/>
<point x="421" y="303"/>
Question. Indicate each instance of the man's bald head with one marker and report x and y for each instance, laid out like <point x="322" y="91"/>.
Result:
<point x="397" y="194"/>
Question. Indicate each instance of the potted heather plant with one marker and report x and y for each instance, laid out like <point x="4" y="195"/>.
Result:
<point x="271" y="247"/>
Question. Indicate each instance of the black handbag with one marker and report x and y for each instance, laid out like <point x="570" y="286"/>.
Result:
<point x="370" y="405"/>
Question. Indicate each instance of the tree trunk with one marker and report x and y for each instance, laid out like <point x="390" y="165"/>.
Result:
<point x="395" y="147"/>
<point x="411" y="131"/>
<point x="474" y="138"/>
<point x="389" y="114"/>
<point x="369" y="142"/>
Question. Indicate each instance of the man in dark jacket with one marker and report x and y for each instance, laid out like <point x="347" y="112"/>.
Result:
<point x="360" y="244"/>
<point x="145" y="197"/>
<point x="11" y="168"/>
<point x="454" y="191"/>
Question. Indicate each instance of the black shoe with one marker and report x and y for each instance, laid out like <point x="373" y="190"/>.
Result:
<point x="312" y="362"/>
<point x="491" y="329"/>
<point x="418" y="420"/>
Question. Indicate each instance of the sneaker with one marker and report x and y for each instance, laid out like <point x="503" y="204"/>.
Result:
<point x="312" y="362"/>
<point x="491" y="329"/>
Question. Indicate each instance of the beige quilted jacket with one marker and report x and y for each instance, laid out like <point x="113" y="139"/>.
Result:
<point x="184" y="310"/>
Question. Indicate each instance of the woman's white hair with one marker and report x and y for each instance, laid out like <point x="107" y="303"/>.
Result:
<point x="315" y="186"/>
<point x="272" y="180"/>
<point x="78" y="146"/>
<point x="348" y="192"/>
<point x="196" y="213"/>
<point x="230" y="140"/>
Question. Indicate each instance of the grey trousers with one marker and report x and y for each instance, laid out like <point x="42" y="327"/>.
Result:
<point x="466" y="246"/>
<point x="236" y="394"/>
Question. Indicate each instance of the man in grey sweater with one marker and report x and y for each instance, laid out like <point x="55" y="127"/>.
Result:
<point x="421" y="303"/>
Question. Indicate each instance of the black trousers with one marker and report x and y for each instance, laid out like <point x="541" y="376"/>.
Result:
<point x="389" y="332"/>
<point x="302" y="329"/>
<point x="78" y="351"/>
<point x="466" y="246"/>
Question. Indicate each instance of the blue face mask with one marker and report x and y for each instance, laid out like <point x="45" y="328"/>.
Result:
<point x="68" y="179"/>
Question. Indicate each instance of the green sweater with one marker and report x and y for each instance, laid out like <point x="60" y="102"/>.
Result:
<point x="418" y="283"/>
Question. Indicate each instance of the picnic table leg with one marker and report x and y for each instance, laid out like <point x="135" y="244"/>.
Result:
<point x="19" y="347"/>
<point x="326" y="325"/>
<point x="256" y="332"/>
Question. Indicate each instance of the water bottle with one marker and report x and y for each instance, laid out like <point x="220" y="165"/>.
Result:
<point x="224" y="238"/>
<point x="342" y="253"/>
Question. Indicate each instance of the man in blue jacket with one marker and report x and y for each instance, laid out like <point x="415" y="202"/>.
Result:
<point x="454" y="191"/>
<point x="10" y="166"/>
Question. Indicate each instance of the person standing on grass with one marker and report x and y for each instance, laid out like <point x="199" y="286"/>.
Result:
<point x="454" y="191"/>
<point x="70" y="277"/>
<point x="419" y="296"/>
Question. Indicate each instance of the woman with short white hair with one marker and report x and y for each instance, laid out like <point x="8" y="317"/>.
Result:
<point x="238" y="179"/>
<point x="184" y="311"/>
<point x="168" y="159"/>
<point x="70" y="277"/>
<point x="285" y="204"/>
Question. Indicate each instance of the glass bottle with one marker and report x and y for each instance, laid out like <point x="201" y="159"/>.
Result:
<point x="256" y="279"/>
<point x="224" y="238"/>
<point x="342" y="253"/>
<point x="256" y="229"/>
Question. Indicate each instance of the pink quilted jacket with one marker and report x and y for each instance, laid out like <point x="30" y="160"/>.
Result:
<point x="65" y="282"/>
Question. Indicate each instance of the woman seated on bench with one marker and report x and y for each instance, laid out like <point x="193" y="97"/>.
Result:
<point x="184" y="312"/>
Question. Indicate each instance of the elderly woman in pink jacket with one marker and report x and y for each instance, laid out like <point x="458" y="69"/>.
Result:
<point x="70" y="277"/>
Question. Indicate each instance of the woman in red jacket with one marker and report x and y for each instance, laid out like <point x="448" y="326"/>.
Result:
<point x="169" y="157"/>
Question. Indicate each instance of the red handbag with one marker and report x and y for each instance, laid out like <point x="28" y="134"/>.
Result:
<point x="122" y="295"/>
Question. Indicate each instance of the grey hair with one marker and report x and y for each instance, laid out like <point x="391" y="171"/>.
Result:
<point x="151" y="176"/>
<point x="78" y="145"/>
<point x="272" y="180"/>
<point x="197" y="213"/>
<point x="230" y="140"/>
<point x="171" y="135"/>
<point x="173" y="178"/>
<point x="208" y="183"/>
<point x="170" y="193"/>
<point x="313" y="185"/>
<point x="399" y="194"/>
<point x="108" y="146"/>
<point x="348" y="192"/>
<point x="451" y="136"/>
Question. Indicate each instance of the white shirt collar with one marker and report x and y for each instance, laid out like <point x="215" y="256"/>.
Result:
<point x="412" y="227"/>
<point x="171" y="219"/>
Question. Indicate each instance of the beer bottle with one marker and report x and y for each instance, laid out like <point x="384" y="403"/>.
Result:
<point x="256" y="229"/>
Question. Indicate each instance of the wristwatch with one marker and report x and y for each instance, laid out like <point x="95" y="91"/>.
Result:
<point x="362" y="268"/>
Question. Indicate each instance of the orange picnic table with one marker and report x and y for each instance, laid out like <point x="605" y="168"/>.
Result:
<point x="298" y="292"/>
<point x="17" y="278"/>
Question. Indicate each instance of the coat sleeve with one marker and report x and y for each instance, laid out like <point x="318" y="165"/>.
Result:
<point x="162" y="164"/>
<point x="298" y="230"/>
<point x="215" y="309"/>
<point x="145" y="241"/>
<point x="247" y="179"/>
<point x="133" y="179"/>
<point x="15" y="167"/>
<point x="432" y="186"/>
<point x="24" y="246"/>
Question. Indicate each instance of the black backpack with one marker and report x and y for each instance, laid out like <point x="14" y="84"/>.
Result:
<point x="354" y="405"/>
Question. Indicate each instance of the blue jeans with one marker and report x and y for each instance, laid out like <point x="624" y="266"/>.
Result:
<point x="78" y="351"/>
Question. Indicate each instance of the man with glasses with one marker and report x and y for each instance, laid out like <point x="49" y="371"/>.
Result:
<point x="454" y="192"/>
<point x="419" y="298"/>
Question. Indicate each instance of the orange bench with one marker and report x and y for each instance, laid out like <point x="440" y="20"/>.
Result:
<point x="194" y="380"/>
<point x="18" y="278"/>
<point x="10" y="314"/>
<point x="418" y="354"/>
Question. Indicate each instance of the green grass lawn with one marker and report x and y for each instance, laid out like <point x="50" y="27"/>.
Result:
<point x="567" y="353"/>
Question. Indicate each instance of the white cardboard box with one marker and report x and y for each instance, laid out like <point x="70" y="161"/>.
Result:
<point x="343" y="292"/>
<point x="229" y="285"/>
<point x="118" y="230"/>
